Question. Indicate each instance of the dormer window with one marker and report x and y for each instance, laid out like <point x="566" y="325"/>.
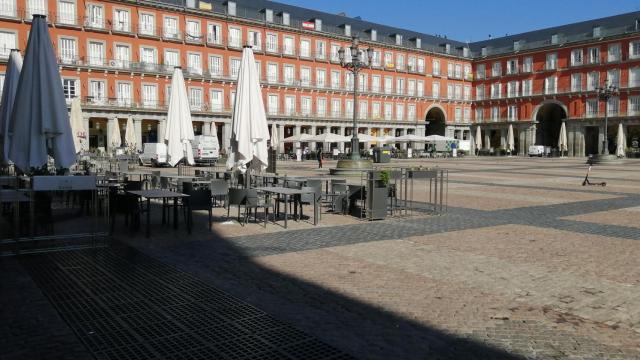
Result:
<point x="286" y="20"/>
<point x="465" y="51"/>
<point x="597" y="31"/>
<point x="398" y="39"/>
<point x="318" y="24"/>
<point x="483" y="51"/>
<point x="231" y="8"/>
<point x="374" y="35"/>
<point x="447" y="48"/>
<point x="347" y="30"/>
<point x="516" y="45"/>
<point x="268" y="15"/>
<point x="554" y="39"/>
<point x="418" y="43"/>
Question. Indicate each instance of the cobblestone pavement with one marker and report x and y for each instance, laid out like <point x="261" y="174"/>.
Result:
<point x="527" y="264"/>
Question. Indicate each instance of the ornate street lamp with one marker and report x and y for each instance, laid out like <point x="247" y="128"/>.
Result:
<point x="605" y="92"/>
<point x="354" y="64"/>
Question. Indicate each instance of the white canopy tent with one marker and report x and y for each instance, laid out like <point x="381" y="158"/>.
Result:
<point x="329" y="138"/>
<point x="249" y="131"/>
<point x="297" y="138"/>
<point x="179" y="130"/>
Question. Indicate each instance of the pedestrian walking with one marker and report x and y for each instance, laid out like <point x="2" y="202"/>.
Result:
<point x="319" y="156"/>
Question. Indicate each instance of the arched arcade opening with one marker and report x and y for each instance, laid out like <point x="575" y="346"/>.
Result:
<point x="435" y="122"/>
<point x="549" y="120"/>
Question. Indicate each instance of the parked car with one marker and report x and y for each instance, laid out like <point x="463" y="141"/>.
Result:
<point x="206" y="149"/>
<point x="154" y="154"/>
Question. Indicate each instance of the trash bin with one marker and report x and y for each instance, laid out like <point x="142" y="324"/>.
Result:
<point x="382" y="154"/>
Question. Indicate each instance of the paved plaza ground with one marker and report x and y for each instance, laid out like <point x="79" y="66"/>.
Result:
<point x="526" y="264"/>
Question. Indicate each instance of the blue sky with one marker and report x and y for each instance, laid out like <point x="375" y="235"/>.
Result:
<point x="472" y="20"/>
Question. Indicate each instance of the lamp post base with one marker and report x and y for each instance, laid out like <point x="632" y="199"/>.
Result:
<point x="351" y="167"/>
<point x="606" y="159"/>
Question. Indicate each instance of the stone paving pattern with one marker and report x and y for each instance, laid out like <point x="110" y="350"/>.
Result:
<point x="527" y="264"/>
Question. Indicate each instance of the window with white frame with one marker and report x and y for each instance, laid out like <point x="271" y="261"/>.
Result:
<point x="95" y="16"/>
<point x="67" y="48"/>
<point x="66" y="11"/>
<point x="527" y="64"/>
<point x="216" y="98"/>
<point x="479" y="115"/>
<point x="122" y="55"/>
<point x="496" y="90"/>
<point x="613" y="52"/>
<point x="457" y="114"/>
<point x="336" y="108"/>
<point x="234" y="67"/>
<point x="171" y="59"/>
<point x="467" y="72"/>
<point x="633" y="105"/>
<point x="149" y="95"/>
<point x="388" y="111"/>
<point x="411" y="63"/>
<point x="71" y="88"/>
<point x="321" y="50"/>
<point x="362" y="82"/>
<point x="552" y="61"/>
<point x="411" y="112"/>
<point x="480" y="92"/>
<point x="363" y="110"/>
<point x="121" y="20"/>
<point x="8" y="8"/>
<point x="400" y="61"/>
<point x="286" y="19"/>
<point x="36" y="7"/>
<point x="321" y="107"/>
<point x="512" y="89"/>
<point x="467" y="92"/>
<point x="512" y="113"/>
<point x="411" y="87"/>
<point x="576" y="82"/>
<point x="527" y="87"/>
<point x="495" y="113"/>
<point x="634" y="77"/>
<point x="272" y="72"/>
<point x="593" y="80"/>
<point x="399" y="86"/>
<point x="421" y="65"/>
<point x="388" y="59"/>
<point x="305" y="76"/>
<point x="235" y="37"/>
<point x="420" y="88"/>
<point x="193" y="32"/>
<point x="594" y="55"/>
<point x="335" y="79"/>
<point x="334" y="52"/>
<point x="458" y="71"/>
<point x="375" y="83"/>
<point x="613" y="106"/>
<point x="591" y="108"/>
<point x="613" y="77"/>
<point x="305" y="48"/>
<point x="388" y="84"/>
<point x="215" y="65"/>
<point x="96" y="53"/>
<point x="634" y="50"/>
<point x="348" y="108"/>
<point x="450" y="92"/>
<point x="195" y="98"/>
<point x="272" y="43"/>
<point x="289" y="74"/>
<point x="450" y="70"/>
<point x="466" y="114"/>
<point x="375" y="110"/>
<point x="321" y="78"/>
<point x="255" y="39"/>
<point x="124" y="93"/>
<point x="232" y="99"/>
<point x="273" y="104"/>
<point x="289" y="105"/>
<point x="171" y="28"/>
<point x="289" y="47"/>
<point x="97" y="91"/>
<point x="305" y="106"/>
<point x="496" y="69"/>
<point x="551" y="85"/>
<point x="194" y="63"/>
<point x="348" y="80"/>
<point x="481" y="71"/>
<point x="399" y="111"/>
<point x="576" y="57"/>
<point x="458" y="92"/>
<point x="147" y="24"/>
<point x="214" y="34"/>
<point x="376" y="58"/>
<point x="436" y="67"/>
<point x="435" y="90"/>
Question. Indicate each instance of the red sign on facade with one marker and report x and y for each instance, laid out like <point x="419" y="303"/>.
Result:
<point x="308" y="25"/>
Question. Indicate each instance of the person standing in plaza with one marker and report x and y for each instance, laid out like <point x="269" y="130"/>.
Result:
<point x="319" y="156"/>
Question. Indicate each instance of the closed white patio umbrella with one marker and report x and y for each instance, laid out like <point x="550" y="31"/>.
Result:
<point x="275" y="137"/>
<point x="12" y="75"/>
<point x="130" y="135"/>
<point x="510" y="139"/>
<point x="478" y="138"/>
<point x="77" y="126"/>
<point x="179" y="130"/>
<point x="249" y="130"/>
<point x="114" y="135"/>
<point x="621" y="142"/>
<point x="297" y="138"/>
<point x="329" y="138"/>
<point x="213" y="130"/>
<point x="562" y="139"/>
<point x="40" y="119"/>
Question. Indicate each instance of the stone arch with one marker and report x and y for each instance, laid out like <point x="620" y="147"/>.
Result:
<point x="437" y="118"/>
<point x="548" y="117"/>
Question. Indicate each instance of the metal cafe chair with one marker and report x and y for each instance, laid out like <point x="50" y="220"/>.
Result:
<point x="254" y="200"/>
<point x="198" y="200"/>
<point x="236" y="197"/>
<point x="219" y="188"/>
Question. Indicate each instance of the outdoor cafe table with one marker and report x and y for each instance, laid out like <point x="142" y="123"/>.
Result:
<point x="286" y="192"/>
<point x="164" y="195"/>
